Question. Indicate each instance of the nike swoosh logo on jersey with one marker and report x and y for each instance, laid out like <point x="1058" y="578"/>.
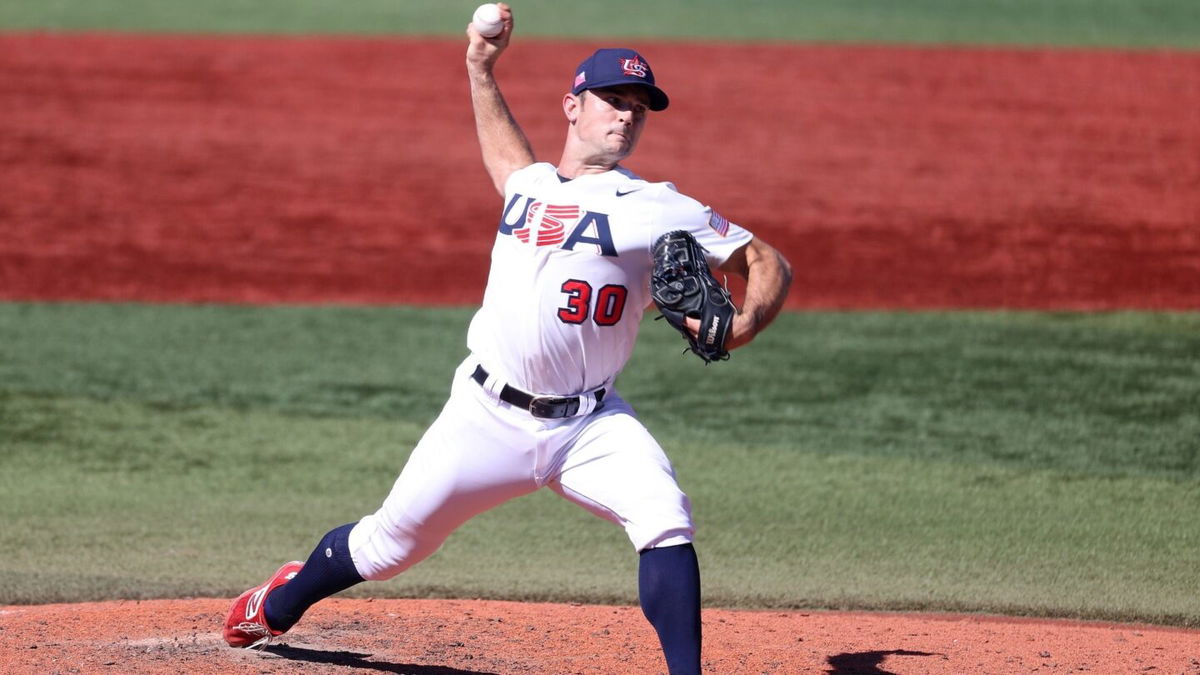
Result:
<point x="622" y="193"/>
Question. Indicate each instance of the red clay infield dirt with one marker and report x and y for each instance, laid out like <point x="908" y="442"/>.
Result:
<point x="441" y="637"/>
<point x="302" y="170"/>
<point x="337" y="170"/>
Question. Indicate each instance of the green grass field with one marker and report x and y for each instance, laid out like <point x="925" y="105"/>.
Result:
<point x="1116" y="23"/>
<point x="1041" y="464"/>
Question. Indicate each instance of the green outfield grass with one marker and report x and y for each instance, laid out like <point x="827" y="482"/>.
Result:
<point x="1041" y="464"/>
<point x="1117" y="23"/>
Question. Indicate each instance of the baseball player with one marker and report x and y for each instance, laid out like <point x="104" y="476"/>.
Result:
<point x="534" y="405"/>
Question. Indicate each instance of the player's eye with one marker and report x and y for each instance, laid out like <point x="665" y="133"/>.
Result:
<point x="623" y="105"/>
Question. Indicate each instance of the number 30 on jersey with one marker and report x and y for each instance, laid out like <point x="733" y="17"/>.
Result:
<point x="606" y="311"/>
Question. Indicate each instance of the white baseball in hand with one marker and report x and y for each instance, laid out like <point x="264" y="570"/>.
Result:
<point x="487" y="20"/>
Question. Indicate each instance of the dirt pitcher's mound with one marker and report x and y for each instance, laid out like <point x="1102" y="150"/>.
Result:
<point x="468" y="636"/>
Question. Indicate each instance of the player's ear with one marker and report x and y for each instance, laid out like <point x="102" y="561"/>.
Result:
<point x="571" y="105"/>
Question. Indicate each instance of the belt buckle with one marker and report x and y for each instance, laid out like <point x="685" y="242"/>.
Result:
<point x="552" y="407"/>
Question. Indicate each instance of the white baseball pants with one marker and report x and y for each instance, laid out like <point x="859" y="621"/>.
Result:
<point x="481" y="452"/>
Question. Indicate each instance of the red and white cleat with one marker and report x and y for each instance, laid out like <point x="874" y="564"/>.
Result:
<point x="245" y="625"/>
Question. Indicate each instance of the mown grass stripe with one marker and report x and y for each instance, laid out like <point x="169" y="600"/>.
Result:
<point x="1104" y="23"/>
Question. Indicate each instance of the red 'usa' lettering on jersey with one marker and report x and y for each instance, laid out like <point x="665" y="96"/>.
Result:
<point x="549" y="222"/>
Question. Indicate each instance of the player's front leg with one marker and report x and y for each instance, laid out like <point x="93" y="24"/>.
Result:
<point x="475" y="456"/>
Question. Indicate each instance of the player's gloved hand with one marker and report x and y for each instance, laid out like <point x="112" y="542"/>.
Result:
<point x="683" y="287"/>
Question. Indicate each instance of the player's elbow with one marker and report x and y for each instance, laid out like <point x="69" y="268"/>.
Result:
<point x="785" y="271"/>
<point x="764" y="260"/>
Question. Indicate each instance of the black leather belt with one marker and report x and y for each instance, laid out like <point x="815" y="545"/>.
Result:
<point x="545" y="407"/>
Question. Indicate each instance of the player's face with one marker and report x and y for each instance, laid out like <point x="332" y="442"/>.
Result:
<point x="610" y="120"/>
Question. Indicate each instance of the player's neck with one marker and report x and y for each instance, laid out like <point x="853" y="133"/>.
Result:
<point x="579" y="159"/>
<point x="568" y="168"/>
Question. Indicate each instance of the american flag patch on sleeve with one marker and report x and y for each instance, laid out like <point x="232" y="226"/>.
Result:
<point x="718" y="223"/>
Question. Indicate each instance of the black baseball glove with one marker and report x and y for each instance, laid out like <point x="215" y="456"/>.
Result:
<point x="682" y="287"/>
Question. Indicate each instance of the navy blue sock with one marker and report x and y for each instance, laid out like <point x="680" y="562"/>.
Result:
<point x="669" y="589"/>
<point x="328" y="570"/>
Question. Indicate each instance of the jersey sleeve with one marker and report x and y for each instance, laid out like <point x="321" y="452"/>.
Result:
<point x="533" y="172"/>
<point x="719" y="237"/>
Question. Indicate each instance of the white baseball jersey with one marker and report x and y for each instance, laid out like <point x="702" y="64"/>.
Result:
<point x="569" y="283"/>
<point x="570" y="274"/>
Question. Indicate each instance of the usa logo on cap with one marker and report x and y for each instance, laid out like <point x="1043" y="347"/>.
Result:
<point x="635" y="66"/>
<point x="615" y="67"/>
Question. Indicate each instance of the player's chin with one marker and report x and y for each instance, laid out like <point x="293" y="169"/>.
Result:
<point x="621" y="146"/>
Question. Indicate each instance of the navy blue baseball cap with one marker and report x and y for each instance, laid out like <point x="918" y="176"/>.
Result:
<point x="611" y="67"/>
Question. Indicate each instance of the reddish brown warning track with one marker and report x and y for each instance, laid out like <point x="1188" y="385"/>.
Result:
<point x="316" y="170"/>
<point x="469" y="637"/>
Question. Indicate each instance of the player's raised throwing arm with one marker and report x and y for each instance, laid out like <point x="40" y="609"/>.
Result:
<point x="504" y="146"/>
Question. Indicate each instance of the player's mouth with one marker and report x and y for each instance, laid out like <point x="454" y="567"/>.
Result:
<point x="623" y="135"/>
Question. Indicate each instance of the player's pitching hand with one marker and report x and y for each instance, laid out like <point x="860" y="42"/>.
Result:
<point x="483" y="49"/>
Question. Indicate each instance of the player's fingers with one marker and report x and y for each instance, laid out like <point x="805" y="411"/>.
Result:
<point x="506" y="19"/>
<point x="485" y="50"/>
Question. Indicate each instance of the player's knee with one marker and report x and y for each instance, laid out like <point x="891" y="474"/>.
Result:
<point x="383" y="549"/>
<point x="673" y="536"/>
<point x="666" y="522"/>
